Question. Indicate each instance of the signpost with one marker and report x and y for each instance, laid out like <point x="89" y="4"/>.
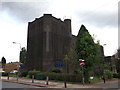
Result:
<point x="82" y="63"/>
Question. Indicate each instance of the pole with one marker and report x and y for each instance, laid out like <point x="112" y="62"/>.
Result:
<point x="83" y="76"/>
<point x="65" y="83"/>
<point x="17" y="72"/>
<point x="19" y="59"/>
<point x="8" y="75"/>
<point x="47" y="78"/>
<point x="32" y="78"/>
<point x="17" y="76"/>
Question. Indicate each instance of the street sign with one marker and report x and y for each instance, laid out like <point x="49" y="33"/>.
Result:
<point x="58" y="63"/>
<point x="82" y="63"/>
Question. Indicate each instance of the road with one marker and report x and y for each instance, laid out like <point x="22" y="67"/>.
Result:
<point x="16" y="85"/>
<point x="100" y="86"/>
<point x="112" y="84"/>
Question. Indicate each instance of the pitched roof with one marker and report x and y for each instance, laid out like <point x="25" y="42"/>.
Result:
<point x="11" y="66"/>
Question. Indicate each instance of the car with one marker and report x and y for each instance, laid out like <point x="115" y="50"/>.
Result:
<point x="14" y="71"/>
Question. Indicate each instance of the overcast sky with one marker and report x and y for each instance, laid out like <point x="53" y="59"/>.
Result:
<point x="99" y="16"/>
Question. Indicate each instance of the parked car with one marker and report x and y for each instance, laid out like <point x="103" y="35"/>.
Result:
<point x="14" y="71"/>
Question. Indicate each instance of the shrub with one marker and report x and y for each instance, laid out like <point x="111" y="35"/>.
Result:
<point x="63" y="77"/>
<point x="12" y="75"/>
<point x="116" y="75"/>
<point x="33" y="72"/>
<point x="78" y="72"/>
<point x="4" y="74"/>
<point x="56" y="71"/>
<point x="108" y="74"/>
<point x="23" y="73"/>
<point x="56" y="76"/>
<point x="40" y="77"/>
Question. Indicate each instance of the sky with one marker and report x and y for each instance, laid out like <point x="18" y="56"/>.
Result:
<point x="100" y="17"/>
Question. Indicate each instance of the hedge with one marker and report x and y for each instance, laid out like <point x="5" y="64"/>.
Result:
<point x="116" y="75"/>
<point x="4" y="74"/>
<point x="23" y="73"/>
<point x="108" y="74"/>
<point x="57" y="76"/>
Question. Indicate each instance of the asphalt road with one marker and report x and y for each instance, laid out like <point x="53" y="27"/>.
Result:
<point x="114" y="84"/>
<point x="16" y="85"/>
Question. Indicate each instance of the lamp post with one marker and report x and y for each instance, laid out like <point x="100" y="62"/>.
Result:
<point x="19" y="59"/>
<point x="17" y="43"/>
<point x="103" y="63"/>
<point x="20" y="48"/>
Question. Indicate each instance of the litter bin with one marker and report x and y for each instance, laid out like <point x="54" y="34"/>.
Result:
<point x="40" y="77"/>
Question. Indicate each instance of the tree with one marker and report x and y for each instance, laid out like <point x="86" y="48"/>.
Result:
<point x="3" y="61"/>
<point x="23" y="55"/>
<point x="70" y="60"/>
<point x="118" y="61"/>
<point x="99" y="60"/>
<point x="85" y="47"/>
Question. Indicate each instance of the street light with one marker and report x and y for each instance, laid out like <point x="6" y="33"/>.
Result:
<point x="19" y="59"/>
<point x="17" y="43"/>
<point x="103" y="63"/>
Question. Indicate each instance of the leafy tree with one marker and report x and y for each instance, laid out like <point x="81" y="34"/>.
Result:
<point x="23" y="55"/>
<point x="118" y="66"/>
<point x="99" y="60"/>
<point x="86" y="50"/>
<point x="70" y="60"/>
<point x="118" y="61"/>
<point x="85" y="47"/>
<point x="3" y="61"/>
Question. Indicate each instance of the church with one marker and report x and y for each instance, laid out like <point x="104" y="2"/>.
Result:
<point x="49" y="39"/>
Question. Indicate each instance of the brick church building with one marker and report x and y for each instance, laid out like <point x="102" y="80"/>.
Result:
<point x="48" y="40"/>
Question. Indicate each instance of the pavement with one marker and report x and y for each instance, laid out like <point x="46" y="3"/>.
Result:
<point x="55" y="84"/>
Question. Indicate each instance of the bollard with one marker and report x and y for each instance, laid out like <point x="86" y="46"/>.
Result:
<point x="47" y="78"/>
<point x="32" y="78"/>
<point x="8" y="76"/>
<point x="65" y="84"/>
<point x="17" y="77"/>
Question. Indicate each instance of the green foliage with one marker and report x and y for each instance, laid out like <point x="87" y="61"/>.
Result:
<point x="56" y="71"/>
<point x="23" y="55"/>
<point x="70" y="59"/>
<point x="96" y="79"/>
<point x="78" y="72"/>
<point x="98" y="73"/>
<point x="99" y="60"/>
<point x="3" y="60"/>
<point x="67" y="77"/>
<point x="55" y="76"/>
<point x="108" y="74"/>
<point x="33" y="72"/>
<point x="100" y="55"/>
<point x="40" y="76"/>
<point x="85" y="47"/>
<point x="12" y="75"/>
<point x="4" y="74"/>
<point x="116" y="75"/>
<point x="118" y="66"/>
<point x="107" y="66"/>
<point x="23" y="73"/>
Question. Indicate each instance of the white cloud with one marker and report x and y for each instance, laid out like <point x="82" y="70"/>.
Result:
<point x="11" y="31"/>
<point x="91" y="13"/>
<point x="108" y="36"/>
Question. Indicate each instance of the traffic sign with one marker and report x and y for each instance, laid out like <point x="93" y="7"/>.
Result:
<point x="82" y="63"/>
